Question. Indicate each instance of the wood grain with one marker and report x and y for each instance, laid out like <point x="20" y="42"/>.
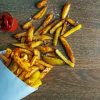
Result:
<point x="64" y="83"/>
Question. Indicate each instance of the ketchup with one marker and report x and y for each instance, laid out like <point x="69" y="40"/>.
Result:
<point x="7" y="22"/>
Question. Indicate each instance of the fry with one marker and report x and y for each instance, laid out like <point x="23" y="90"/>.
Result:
<point x="44" y="64"/>
<point x="34" y="69"/>
<point x="42" y="3"/>
<point x="30" y="34"/>
<point x="27" y="25"/>
<point x="23" y="39"/>
<point x="33" y="60"/>
<point x="60" y="23"/>
<point x="8" y="52"/>
<point x="46" y="29"/>
<point x="22" y="45"/>
<point x="40" y="14"/>
<point x="56" y="36"/>
<point x="19" y="35"/>
<point x="71" y="21"/>
<point x="64" y="29"/>
<point x="53" y="61"/>
<point x="36" y="53"/>
<point x="19" y="71"/>
<point x="72" y="30"/>
<point x="22" y="75"/>
<point x="65" y="10"/>
<point x="68" y="49"/>
<point x="20" y="63"/>
<point x="64" y="59"/>
<point x="35" y="44"/>
<point x="44" y="73"/>
<point x="41" y="67"/>
<point x="25" y="51"/>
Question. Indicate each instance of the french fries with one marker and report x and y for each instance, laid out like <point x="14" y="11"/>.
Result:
<point x="56" y="36"/>
<point x="8" y="52"/>
<point x="64" y="28"/>
<point x="42" y="3"/>
<point x="19" y="35"/>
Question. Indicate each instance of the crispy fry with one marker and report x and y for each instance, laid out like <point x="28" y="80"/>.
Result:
<point x="64" y="29"/>
<point x="33" y="60"/>
<point x="46" y="29"/>
<point x="56" y="36"/>
<point x="44" y="73"/>
<point x="22" y="75"/>
<point x="42" y="3"/>
<point x="72" y="30"/>
<point x="71" y="21"/>
<point x="18" y="72"/>
<point x="22" y="45"/>
<point x="41" y="67"/>
<point x="27" y="25"/>
<point x="35" y="44"/>
<point x="36" y="53"/>
<point x="25" y="51"/>
<point x="65" y="10"/>
<point x="68" y="49"/>
<point x="8" y="52"/>
<point x="23" y="39"/>
<point x="60" y="23"/>
<point x="30" y="34"/>
<point x="19" y="35"/>
<point x="53" y="61"/>
<point x="64" y="59"/>
<point x="40" y="14"/>
<point x="34" y="69"/>
<point x="44" y="64"/>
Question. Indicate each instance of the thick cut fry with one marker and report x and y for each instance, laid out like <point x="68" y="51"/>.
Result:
<point x="37" y="83"/>
<point x="64" y="29"/>
<point x="42" y="3"/>
<point x="30" y="34"/>
<point x="35" y="44"/>
<point x="53" y="61"/>
<point x="68" y="49"/>
<point x="19" y="35"/>
<point x="40" y="14"/>
<point x="45" y="49"/>
<point x="34" y="69"/>
<point x="45" y="72"/>
<point x="20" y="63"/>
<point x="36" y="53"/>
<point x="41" y="37"/>
<point x="64" y="59"/>
<point x="72" y="30"/>
<point x="65" y="10"/>
<point x="27" y="25"/>
<point x="13" y="67"/>
<point x="46" y="29"/>
<point x="35" y="76"/>
<point x="44" y="64"/>
<point x="71" y="21"/>
<point x="23" y="39"/>
<point x="22" y="45"/>
<point x="22" y="75"/>
<point x="8" y="52"/>
<point x="18" y="72"/>
<point x="60" y="23"/>
<point x="56" y="36"/>
<point x="33" y="60"/>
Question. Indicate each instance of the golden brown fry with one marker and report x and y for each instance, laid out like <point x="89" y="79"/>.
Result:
<point x="25" y="57"/>
<point x="41" y="67"/>
<point x="56" y="36"/>
<point x="33" y="70"/>
<point x="41" y="37"/>
<point x="27" y="25"/>
<point x="53" y="61"/>
<point x="65" y="10"/>
<point x="64" y="59"/>
<point x="19" y="71"/>
<point x="46" y="29"/>
<point x="64" y="29"/>
<point x="45" y="72"/>
<point x="23" y="39"/>
<point x="19" y="35"/>
<point x="8" y="52"/>
<point x="60" y="23"/>
<point x="30" y="34"/>
<point x="42" y="3"/>
<point x="44" y="63"/>
<point x="20" y="63"/>
<point x="35" y="44"/>
<point x="40" y="14"/>
<point x="22" y="75"/>
<point x="72" y="30"/>
<point x="36" y="53"/>
<point x="71" y="21"/>
<point x="33" y="60"/>
<point x="68" y="49"/>
<point x="22" y="45"/>
<point x="25" y="51"/>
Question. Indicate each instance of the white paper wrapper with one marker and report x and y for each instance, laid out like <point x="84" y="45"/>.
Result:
<point x="11" y="87"/>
